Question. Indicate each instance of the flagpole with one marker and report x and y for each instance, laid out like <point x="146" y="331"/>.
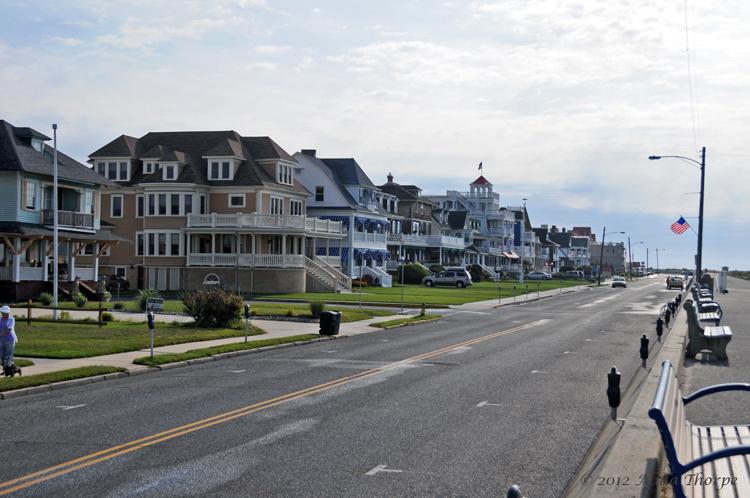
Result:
<point x="699" y="259"/>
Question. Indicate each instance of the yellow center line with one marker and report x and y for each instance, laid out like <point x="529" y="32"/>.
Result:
<point x="100" y="456"/>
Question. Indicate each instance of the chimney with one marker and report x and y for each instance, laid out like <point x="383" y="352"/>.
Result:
<point x="309" y="152"/>
<point x="563" y="229"/>
<point x="390" y="178"/>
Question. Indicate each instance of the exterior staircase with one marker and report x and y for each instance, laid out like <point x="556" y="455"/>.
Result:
<point x="493" y="275"/>
<point x="327" y="275"/>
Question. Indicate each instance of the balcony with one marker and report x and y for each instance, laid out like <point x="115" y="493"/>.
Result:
<point x="68" y="219"/>
<point x="246" y="260"/>
<point x="379" y="238"/>
<point x="255" y="220"/>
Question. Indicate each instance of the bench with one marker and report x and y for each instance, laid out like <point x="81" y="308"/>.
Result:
<point x="714" y="339"/>
<point x="701" y="296"/>
<point x="704" y="461"/>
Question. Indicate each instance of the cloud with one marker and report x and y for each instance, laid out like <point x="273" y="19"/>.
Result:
<point x="272" y="49"/>
<point x="68" y="42"/>
<point x="263" y="66"/>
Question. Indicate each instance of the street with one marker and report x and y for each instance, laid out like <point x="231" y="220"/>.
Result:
<point x="465" y="406"/>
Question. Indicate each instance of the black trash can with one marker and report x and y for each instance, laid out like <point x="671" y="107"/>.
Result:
<point x="330" y="321"/>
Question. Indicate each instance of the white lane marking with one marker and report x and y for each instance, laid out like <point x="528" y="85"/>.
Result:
<point x="385" y="340"/>
<point x="570" y="352"/>
<point x="235" y="371"/>
<point x="71" y="407"/>
<point x="598" y="301"/>
<point x="333" y="351"/>
<point x="539" y="372"/>
<point x="381" y="468"/>
<point x="487" y="403"/>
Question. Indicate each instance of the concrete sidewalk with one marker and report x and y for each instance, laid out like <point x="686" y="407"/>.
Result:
<point x="273" y="328"/>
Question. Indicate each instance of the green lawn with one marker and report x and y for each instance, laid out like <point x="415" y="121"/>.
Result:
<point x="418" y="294"/>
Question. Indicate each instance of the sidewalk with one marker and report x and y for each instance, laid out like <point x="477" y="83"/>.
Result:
<point x="274" y="329"/>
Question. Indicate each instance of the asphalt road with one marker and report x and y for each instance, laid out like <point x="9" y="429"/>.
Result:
<point x="462" y="407"/>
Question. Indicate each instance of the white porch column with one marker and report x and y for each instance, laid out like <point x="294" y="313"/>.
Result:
<point x="45" y="265"/>
<point x="96" y="262"/>
<point x="283" y="251"/>
<point x="71" y="261"/>
<point x="328" y="248"/>
<point x="16" y="268"/>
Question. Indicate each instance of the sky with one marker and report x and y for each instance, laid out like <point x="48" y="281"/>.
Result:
<point x="561" y="101"/>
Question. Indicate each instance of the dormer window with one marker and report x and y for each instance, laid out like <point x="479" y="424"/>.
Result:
<point x="149" y="168"/>
<point x="37" y="144"/>
<point x="114" y="170"/>
<point x="220" y="170"/>
<point x="284" y="174"/>
<point x="169" y="171"/>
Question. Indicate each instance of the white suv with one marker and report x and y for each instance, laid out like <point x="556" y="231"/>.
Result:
<point x="452" y="276"/>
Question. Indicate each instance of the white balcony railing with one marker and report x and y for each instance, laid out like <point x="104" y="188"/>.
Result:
<point x="247" y="260"/>
<point x="369" y="237"/>
<point x="69" y="219"/>
<point x="255" y="220"/>
<point x="31" y="273"/>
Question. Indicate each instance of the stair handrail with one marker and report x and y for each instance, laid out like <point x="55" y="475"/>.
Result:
<point x="324" y="275"/>
<point x="342" y="277"/>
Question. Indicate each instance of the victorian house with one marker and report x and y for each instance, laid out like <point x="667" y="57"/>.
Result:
<point x="212" y="208"/>
<point x="28" y="172"/>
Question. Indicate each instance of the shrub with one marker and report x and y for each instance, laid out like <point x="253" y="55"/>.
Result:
<point x="358" y="283"/>
<point x="290" y="312"/>
<point x="477" y="274"/>
<point x="437" y="268"/>
<point x="143" y="297"/>
<point x="64" y="315"/>
<point x="79" y="299"/>
<point x="119" y="305"/>
<point x="212" y="308"/>
<point x="253" y="311"/>
<point x="108" y="317"/>
<point x="316" y="307"/>
<point x="46" y="298"/>
<point x="368" y="279"/>
<point x="413" y="274"/>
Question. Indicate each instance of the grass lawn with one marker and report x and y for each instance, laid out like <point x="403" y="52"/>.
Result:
<point x="418" y="294"/>
<point x="51" y="340"/>
<point x="10" y="384"/>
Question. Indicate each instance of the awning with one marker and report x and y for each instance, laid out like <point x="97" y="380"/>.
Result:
<point x="370" y="254"/>
<point x="369" y="221"/>
<point x="332" y="251"/>
<point x="417" y="248"/>
<point x="511" y="255"/>
<point x="345" y="219"/>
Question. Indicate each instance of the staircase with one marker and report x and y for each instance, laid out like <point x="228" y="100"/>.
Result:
<point x="343" y="280"/>
<point x="87" y="287"/>
<point x="493" y="275"/>
<point x="326" y="277"/>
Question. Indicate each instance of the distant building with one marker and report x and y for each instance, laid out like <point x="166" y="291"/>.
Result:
<point x="614" y="255"/>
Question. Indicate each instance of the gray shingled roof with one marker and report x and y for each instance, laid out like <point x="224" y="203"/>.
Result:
<point x="349" y="172"/>
<point x="17" y="154"/>
<point x="191" y="148"/>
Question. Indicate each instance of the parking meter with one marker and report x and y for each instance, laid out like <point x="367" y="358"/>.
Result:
<point x="644" y="350"/>
<point x="613" y="391"/>
<point x="247" y="318"/>
<point x="659" y="328"/>
<point x="150" y="318"/>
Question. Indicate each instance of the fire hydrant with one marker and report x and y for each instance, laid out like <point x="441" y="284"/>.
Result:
<point x="424" y="307"/>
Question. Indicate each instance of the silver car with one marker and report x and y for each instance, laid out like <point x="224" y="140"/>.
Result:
<point x="459" y="278"/>
<point x="538" y="275"/>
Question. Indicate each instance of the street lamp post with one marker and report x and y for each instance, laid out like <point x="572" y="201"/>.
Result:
<point x="601" y="256"/>
<point x="630" y="255"/>
<point x="702" y="165"/>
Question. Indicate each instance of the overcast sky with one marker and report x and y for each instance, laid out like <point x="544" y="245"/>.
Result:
<point x="562" y="101"/>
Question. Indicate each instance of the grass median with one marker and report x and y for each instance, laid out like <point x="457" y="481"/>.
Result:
<point x="194" y="354"/>
<point x="406" y="321"/>
<point x="10" y="384"/>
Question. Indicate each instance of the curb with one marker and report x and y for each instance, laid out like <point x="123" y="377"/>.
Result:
<point x="540" y="298"/>
<point x="17" y="393"/>
<point x="407" y="324"/>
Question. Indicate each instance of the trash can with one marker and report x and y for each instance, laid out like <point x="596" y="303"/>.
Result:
<point x="330" y="321"/>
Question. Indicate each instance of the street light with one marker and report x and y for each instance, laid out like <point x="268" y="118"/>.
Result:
<point x="601" y="256"/>
<point x="630" y="253"/>
<point x="657" y="258"/>
<point x="702" y="165"/>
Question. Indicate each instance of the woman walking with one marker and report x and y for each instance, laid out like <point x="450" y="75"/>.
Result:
<point x="8" y="338"/>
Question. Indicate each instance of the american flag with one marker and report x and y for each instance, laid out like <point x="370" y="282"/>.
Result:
<point x="480" y="165"/>
<point x="680" y="225"/>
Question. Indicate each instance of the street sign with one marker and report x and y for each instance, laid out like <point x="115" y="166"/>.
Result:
<point x="154" y="304"/>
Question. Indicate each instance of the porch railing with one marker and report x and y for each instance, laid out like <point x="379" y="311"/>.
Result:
<point x="70" y="219"/>
<point x="255" y="220"/>
<point x="247" y="260"/>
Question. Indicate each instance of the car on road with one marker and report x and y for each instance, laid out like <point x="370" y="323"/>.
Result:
<point x="619" y="282"/>
<point x="538" y="275"/>
<point x="112" y="281"/>
<point x="577" y="274"/>
<point x="452" y="276"/>
<point x="675" y="283"/>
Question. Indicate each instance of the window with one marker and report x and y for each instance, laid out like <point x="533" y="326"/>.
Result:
<point x="319" y="197"/>
<point x="139" y="245"/>
<point x="203" y="204"/>
<point x="175" y="244"/>
<point x="162" y="204"/>
<point x="151" y="243"/>
<point x="162" y="244"/>
<point x="169" y="172"/>
<point x="149" y="168"/>
<point x="116" y="206"/>
<point x="226" y="244"/>
<point x="225" y="171"/>
<point x="139" y="206"/>
<point x="175" y="208"/>
<point x="31" y="195"/>
<point x="90" y="207"/>
<point x="151" y="204"/>
<point x="112" y="171"/>
<point x="123" y="171"/>
<point x="215" y="171"/>
<point x="188" y="204"/>
<point x="295" y="207"/>
<point x="277" y="205"/>
<point x="237" y="200"/>
<point x="101" y="168"/>
<point x="284" y="174"/>
<point x="120" y="271"/>
<point x="220" y="170"/>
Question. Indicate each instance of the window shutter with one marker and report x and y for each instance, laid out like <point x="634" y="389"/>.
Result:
<point x="96" y="204"/>
<point x="24" y="186"/>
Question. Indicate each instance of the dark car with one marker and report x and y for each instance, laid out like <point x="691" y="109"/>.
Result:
<point x="458" y="277"/>
<point x="111" y="282"/>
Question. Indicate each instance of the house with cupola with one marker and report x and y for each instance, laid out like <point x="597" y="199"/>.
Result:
<point x="33" y="215"/>
<point x="213" y="208"/>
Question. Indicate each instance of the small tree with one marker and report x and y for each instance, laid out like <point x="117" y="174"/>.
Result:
<point x="212" y="308"/>
<point x="413" y="274"/>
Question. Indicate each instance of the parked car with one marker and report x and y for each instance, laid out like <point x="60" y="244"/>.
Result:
<point x="619" y="282"/>
<point x="574" y="274"/>
<point x="675" y="283"/>
<point x="111" y="282"/>
<point x="452" y="276"/>
<point x="538" y="275"/>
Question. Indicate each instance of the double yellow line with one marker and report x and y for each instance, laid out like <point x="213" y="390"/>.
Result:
<point x="79" y="463"/>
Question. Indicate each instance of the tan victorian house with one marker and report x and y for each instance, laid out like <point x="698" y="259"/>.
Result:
<point x="212" y="208"/>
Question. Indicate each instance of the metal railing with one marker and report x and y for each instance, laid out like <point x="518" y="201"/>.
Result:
<point x="255" y="220"/>
<point x="68" y="219"/>
<point x="342" y="278"/>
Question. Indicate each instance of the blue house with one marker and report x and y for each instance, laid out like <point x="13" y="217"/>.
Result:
<point x="27" y="217"/>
